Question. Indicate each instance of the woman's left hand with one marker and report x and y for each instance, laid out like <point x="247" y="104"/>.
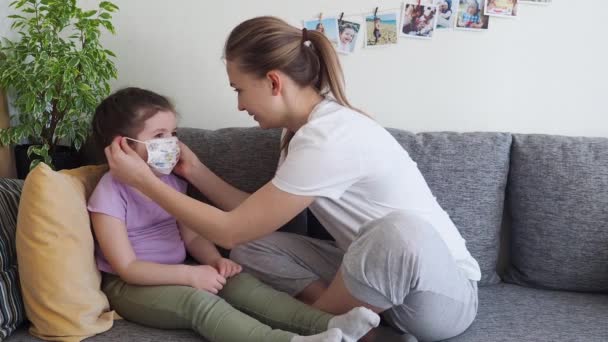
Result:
<point x="227" y="268"/>
<point x="188" y="162"/>
<point x="125" y="164"/>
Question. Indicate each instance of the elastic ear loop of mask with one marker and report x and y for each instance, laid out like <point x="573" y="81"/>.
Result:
<point x="139" y="141"/>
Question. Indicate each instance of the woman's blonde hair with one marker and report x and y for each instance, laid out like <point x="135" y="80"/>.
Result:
<point x="262" y="44"/>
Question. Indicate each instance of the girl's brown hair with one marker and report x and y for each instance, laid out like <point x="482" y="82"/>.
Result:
<point x="124" y="113"/>
<point x="262" y="44"/>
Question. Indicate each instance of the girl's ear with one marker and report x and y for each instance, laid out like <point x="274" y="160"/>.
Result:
<point x="275" y="81"/>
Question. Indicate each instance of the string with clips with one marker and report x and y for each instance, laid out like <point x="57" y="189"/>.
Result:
<point x="343" y="14"/>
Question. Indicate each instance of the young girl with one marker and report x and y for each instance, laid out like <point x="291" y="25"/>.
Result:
<point x="142" y="249"/>
<point x="396" y="251"/>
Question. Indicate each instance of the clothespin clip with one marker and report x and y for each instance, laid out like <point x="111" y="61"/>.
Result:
<point x="376" y="13"/>
<point x="341" y="16"/>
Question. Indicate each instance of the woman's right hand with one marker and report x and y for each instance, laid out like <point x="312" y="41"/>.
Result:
<point x="188" y="162"/>
<point x="205" y="277"/>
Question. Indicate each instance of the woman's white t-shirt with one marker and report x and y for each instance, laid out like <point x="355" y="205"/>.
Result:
<point x="358" y="172"/>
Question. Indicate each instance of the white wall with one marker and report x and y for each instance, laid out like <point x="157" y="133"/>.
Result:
<point x="544" y="72"/>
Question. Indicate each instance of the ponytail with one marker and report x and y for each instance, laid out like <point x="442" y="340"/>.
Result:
<point x="331" y="77"/>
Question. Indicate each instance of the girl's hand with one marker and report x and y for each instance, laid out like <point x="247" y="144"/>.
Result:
<point x="188" y="162"/>
<point x="125" y="164"/>
<point x="205" y="277"/>
<point x="227" y="268"/>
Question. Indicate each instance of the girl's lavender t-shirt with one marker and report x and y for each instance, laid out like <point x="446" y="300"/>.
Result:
<point x="153" y="232"/>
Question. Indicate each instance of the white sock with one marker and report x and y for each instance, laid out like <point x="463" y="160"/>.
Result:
<point x="331" y="335"/>
<point x="355" y="323"/>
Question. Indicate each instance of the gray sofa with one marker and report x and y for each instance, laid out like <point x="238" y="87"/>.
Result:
<point x="533" y="209"/>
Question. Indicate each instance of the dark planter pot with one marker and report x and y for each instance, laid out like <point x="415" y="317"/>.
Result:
<point x="63" y="158"/>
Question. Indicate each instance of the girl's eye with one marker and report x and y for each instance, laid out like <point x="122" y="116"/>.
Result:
<point x="159" y="135"/>
<point x="174" y="134"/>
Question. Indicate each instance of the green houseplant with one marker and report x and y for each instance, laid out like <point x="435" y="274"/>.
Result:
<point x="56" y="72"/>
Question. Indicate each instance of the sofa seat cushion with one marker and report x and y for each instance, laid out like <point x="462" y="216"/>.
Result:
<point x="513" y="313"/>
<point x="558" y="196"/>
<point x="506" y="313"/>
<point x="124" y="331"/>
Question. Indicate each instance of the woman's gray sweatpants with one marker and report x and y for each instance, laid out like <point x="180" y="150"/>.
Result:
<point x="398" y="263"/>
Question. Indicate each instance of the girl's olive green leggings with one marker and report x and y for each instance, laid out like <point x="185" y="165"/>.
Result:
<point x="245" y="310"/>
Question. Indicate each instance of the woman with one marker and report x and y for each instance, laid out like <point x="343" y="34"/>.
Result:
<point x="396" y="252"/>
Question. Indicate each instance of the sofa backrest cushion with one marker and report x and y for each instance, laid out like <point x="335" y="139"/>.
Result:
<point x="558" y="199"/>
<point x="244" y="157"/>
<point x="467" y="172"/>
<point x="12" y="313"/>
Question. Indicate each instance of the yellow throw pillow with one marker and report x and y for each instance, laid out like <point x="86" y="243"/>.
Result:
<point x="59" y="279"/>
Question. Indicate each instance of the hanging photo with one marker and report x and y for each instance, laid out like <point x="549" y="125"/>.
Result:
<point x="419" y="21"/>
<point x="381" y="29"/>
<point x="501" y="8"/>
<point x="348" y="33"/>
<point x="446" y="13"/>
<point x="470" y="15"/>
<point x="328" y="26"/>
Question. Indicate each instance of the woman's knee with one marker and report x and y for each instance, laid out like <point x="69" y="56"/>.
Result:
<point x="268" y="249"/>
<point x="385" y="259"/>
<point x="249" y="253"/>
<point x="397" y="231"/>
<point x="240" y="253"/>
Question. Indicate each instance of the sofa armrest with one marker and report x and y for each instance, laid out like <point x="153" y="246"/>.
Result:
<point x="12" y="312"/>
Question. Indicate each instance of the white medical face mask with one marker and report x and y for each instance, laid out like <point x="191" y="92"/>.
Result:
<point x="163" y="153"/>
